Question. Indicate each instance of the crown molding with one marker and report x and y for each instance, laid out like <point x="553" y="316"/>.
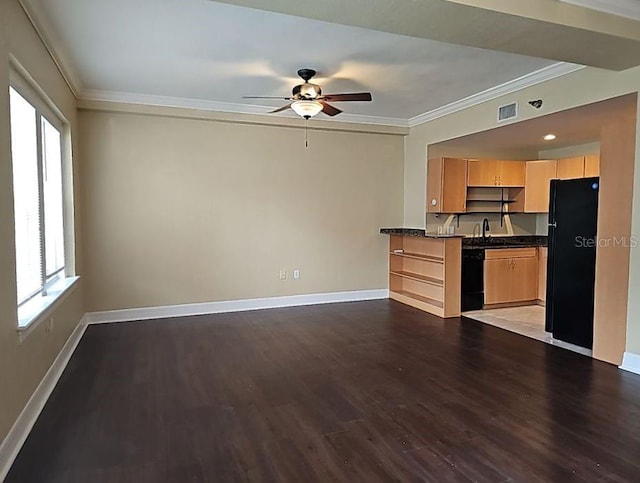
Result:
<point x="536" y="77"/>
<point x="262" y="119"/>
<point x="229" y="107"/>
<point x="622" y="8"/>
<point x="49" y="38"/>
<point x="46" y="32"/>
<point x="542" y="75"/>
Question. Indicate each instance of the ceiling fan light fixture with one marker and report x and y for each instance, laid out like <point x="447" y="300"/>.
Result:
<point x="306" y="109"/>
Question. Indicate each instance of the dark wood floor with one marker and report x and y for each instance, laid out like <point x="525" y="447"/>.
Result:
<point x="356" y="392"/>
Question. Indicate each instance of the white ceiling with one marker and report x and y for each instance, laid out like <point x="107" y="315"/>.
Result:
<point x="623" y="8"/>
<point x="211" y="54"/>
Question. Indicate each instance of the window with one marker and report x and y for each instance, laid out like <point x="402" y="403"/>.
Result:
<point x="37" y="157"/>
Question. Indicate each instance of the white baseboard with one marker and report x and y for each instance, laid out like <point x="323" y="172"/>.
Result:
<point x="206" y="308"/>
<point x="631" y="362"/>
<point x="20" y="430"/>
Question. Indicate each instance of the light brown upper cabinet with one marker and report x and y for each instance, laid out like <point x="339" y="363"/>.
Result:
<point x="446" y="185"/>
<point x="491" y="172"/>
<point x="570" y="168"/>
<point x="511" y="174"/>
<point x="592" y="165"/>
<point x="482" y="173"/>
<point x="537" y="184"/>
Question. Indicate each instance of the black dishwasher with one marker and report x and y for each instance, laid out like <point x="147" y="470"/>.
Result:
<point x="472" y="279"/>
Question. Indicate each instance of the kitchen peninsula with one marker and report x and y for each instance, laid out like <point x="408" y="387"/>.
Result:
<point x="424" y="270"/>
<point x="433" y="272"/>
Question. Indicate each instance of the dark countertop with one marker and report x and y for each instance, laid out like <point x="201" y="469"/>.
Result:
<point x="418" y="232"/>
<point x="516" y="241"/>
<point x="470" y="243"/>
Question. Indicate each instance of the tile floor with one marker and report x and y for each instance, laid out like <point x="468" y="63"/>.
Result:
<point x="527" y="320"/>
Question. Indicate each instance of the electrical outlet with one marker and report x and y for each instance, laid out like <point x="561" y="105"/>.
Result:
<point x="283" y="274"/>
<point x="296" y="273"/>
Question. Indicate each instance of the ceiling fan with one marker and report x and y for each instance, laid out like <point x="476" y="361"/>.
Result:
<point x="308" y="99"/>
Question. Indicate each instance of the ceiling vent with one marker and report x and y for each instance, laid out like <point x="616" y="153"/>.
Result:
<point x="508" y="112"/>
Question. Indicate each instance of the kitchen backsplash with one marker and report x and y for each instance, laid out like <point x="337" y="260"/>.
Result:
<point x="523" y="224"/>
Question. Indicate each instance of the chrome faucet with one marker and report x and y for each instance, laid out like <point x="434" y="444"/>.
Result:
<point x="485" y="229"/>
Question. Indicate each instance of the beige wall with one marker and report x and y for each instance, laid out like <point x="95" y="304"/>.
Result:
<point x="22" y="365"/>
<point x="181" y="210"/>
<point x="570" y="151"/>
<point x="579" y="88"/>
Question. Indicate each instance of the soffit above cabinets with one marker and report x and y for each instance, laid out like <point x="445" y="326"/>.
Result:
<point x="578" y="126"/>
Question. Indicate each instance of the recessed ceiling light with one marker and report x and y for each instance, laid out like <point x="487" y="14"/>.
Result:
<point x="549" y="137"/>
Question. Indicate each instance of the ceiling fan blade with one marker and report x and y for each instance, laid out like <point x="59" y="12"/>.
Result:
<point x="280" y="109"/>
<point x="355" y="96"/>
<point x="267" y="97"/>
<point x="329" y="110"/>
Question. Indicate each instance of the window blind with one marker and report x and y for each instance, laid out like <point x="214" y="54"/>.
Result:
<point x="36" y="153"/>
<point x="26" y="196"/>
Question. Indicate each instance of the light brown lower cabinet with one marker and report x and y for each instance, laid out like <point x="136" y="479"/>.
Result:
<point x="510" y="275"/>
<point x="542" y="274"/>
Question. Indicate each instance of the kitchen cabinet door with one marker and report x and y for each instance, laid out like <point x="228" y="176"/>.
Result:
<point x="542" y="273"/>
<point x="482" y="173"/>
<point x="592" y="165"/>
<point x="512" y="278"/>
<point x="511" y="174"/>
<point x="447" y="185"/>
<point x="492" y="172"/>
<point x="537" y="185"/>
<point x="570" y="168"/>
<point x="524" y="281"/>
<point x="497" y="281"/>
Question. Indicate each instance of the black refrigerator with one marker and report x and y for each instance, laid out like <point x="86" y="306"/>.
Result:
<point x="571" y="266"/>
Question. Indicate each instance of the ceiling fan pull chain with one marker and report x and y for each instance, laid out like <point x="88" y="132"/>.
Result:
<point x="306" y="133"/>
